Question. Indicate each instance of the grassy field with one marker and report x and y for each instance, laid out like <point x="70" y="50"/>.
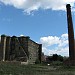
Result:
<point x="18" y="69"/>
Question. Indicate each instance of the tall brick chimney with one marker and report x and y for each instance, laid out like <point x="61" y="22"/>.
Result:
<point x="70" y="35"/>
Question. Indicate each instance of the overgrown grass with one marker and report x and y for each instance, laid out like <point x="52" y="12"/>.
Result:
<point x="38" y="69"/>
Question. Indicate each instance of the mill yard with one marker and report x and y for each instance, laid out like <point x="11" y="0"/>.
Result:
<point x="9" y="68"/>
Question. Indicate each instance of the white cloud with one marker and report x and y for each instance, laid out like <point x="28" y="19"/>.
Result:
<point x="55" y="45"/>
<point x="60" y="51"/>
<point x="50" y="40"/>
<point x="21" y="35"/>
<point x="31" y="5"/>
<point x="63" y="40"/>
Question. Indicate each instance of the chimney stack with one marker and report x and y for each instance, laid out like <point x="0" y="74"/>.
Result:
<point x="70" y="35"/>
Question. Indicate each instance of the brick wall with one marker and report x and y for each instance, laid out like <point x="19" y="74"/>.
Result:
<point x="19" y="49"/>
<point x="33" y="49"/>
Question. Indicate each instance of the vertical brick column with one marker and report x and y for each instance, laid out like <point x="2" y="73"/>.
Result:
<point x="40" y="52"/>
<point x="3" y="47"/>
<point x="7" y="55"/>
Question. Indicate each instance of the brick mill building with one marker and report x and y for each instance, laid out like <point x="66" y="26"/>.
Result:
<point x="19" y="49"/>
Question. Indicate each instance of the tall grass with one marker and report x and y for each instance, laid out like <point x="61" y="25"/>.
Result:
<point x="7" y="68"/>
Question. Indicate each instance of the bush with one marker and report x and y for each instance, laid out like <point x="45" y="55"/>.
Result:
<point x="56" y="63"/>
<point x="37" y="61"/>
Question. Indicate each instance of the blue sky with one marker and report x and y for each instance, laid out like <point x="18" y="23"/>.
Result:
<point x="43" y="24"/>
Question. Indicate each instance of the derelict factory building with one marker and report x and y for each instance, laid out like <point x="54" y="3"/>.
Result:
<point x="19" y="49"/>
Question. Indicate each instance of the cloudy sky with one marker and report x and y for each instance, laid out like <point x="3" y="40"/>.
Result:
<point x="44" y="21"/>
